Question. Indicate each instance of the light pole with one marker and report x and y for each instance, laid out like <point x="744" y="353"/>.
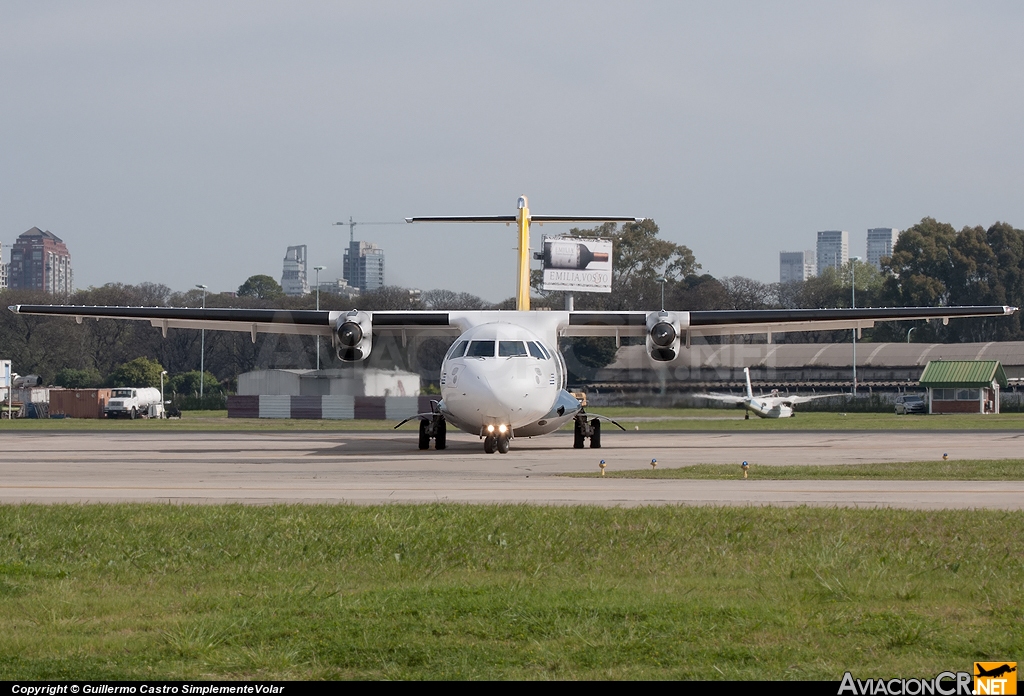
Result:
<point x="661" y="281"/>
<point x="853" y="305"/>
<point x="910" y="332"/>
<point x="162" y="403"/>
<point x="318" y="269"/>
<point x="202" y="349"/>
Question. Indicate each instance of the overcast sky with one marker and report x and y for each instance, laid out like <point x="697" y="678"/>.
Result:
<point x="192" y="142"/>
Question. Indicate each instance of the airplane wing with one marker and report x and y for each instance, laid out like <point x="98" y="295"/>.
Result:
<point x="804" y="399"/>
<point x="727" y="398"/>
<point x="630" y="323"/>
<point x="766" y="321"/>
<point x="353" y="329"/>
<point x="302" y="321"/>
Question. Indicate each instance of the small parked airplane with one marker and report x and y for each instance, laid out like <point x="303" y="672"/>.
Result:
<point x="772" y="406"/>
<point x="504" y="376"/>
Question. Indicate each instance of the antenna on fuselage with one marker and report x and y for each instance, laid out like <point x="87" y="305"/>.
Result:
<point x="523" y="218"/>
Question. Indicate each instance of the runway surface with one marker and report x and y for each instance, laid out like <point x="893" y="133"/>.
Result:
<point x="381" y="467"/>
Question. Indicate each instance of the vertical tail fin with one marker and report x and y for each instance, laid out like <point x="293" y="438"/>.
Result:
<point x="750" y="390"/>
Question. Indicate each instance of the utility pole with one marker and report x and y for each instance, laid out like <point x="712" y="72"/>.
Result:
<point x="318" y="269"/>
<point x="853" y="305"/>
<point x="202" y="349"/>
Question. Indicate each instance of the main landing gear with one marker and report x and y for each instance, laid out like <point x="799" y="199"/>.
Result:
<point x="582" y="429"/>
<point x="497" y="439"/>
<point x="433" y="429"/>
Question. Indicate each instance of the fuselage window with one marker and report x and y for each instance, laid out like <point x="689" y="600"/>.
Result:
<point x="458" y="350"/>
<point x="481" y="349"/>
<point x="535" y="351"/>
<point x="511" y="349"/>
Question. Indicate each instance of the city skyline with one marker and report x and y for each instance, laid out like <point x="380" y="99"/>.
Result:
<point x="794" y="266"/>
<point x="879" y="243"/>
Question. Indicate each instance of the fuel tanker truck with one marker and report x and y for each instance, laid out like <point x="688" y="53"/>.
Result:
<point x="131" y="402"/>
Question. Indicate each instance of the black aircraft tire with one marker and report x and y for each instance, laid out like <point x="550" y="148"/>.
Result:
<point x="441" y="439"/>
<point x="424" y="437"/>
<point x="577" y="435"/>
<point x="503" y="444"/>
<point x="489" y="443"/>
<point x="595" y="439"/>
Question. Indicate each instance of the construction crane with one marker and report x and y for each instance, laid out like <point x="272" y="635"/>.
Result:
<point x="352" y="226"/>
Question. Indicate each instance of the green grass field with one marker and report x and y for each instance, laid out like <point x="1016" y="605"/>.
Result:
<point x="516" y="592"/>
<point x="524" y="592"/>
<point x="952" y="470"/>
<point x="630" y="417"/>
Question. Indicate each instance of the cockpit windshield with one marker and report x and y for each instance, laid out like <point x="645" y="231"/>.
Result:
<point x="458" y="350"/>
<point x="536" y="351"/>
<point x="481" y="349"/>
<point x="511" y="349"/>
<point x="504" y="349"/>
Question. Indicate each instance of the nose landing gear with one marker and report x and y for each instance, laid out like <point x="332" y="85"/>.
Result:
<point x="582" y="429"/>
<point x="499" y="440"/>
<point x="433" y="429"/>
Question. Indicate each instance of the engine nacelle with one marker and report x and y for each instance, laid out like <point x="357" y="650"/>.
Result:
<point x="353" y="336"/>
<point x="664" y="331"/>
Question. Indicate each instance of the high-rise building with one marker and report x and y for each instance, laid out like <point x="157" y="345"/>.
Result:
<point x="41" y="261"/>
<point x="796" y="266"/>
<point x="293" y="277"/>
<point x="833" y="249"/>
<point x="3" y="269"/>
<point x="364" y="266"/>
<point x="881" y="240"/>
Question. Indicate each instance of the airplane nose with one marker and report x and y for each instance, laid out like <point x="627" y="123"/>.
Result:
<point x="496" y="396"/>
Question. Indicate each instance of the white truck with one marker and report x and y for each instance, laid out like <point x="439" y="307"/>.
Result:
<point x="131" y="402"/>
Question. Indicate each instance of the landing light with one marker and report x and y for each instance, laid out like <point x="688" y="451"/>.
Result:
<point x="502" y="429"/>
<point x="490" y="428"/>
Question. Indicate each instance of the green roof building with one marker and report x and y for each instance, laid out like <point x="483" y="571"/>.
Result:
<point x="963" y="386"/>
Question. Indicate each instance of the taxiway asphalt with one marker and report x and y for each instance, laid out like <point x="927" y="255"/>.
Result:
<point x="382" y="467"/>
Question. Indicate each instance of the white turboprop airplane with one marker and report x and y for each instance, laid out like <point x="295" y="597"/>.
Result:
<point x="772" y="406"/>
<point x="504" y="377"/>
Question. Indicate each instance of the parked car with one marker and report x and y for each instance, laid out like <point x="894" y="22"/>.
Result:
<point x="910" y="403"/>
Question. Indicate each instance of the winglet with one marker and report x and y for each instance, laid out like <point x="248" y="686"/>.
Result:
<point x="14" y="308"/>
<point x="750" y="390"/>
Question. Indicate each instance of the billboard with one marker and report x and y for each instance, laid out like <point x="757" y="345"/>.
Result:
<point x="577" y="265"/>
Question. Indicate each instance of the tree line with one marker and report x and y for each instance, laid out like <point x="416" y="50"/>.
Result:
<point x="932" y="265"/>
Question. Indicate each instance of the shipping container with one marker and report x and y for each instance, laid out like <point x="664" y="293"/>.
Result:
<point x="78" y="403"/>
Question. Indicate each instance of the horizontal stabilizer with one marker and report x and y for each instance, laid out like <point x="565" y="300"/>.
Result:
<point x="463" y="218"/>
<point x="583" y="218"/>
<point x="533" y="218"/>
